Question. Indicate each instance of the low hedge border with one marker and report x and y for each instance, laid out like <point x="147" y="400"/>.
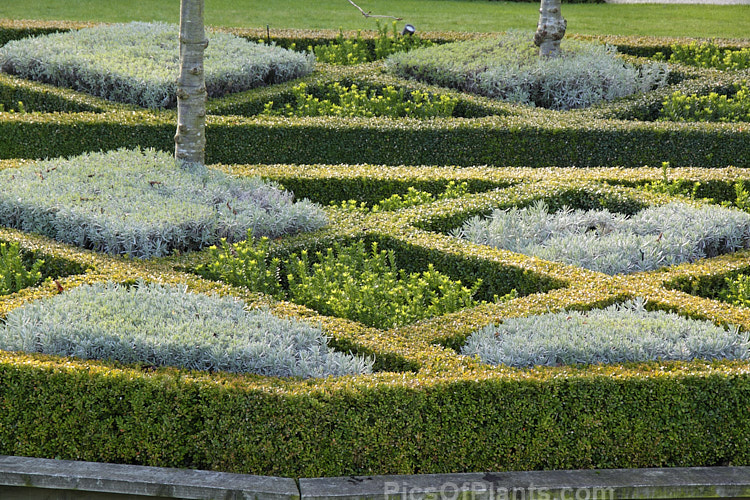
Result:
<point x="428" y="409"/>
<point x="370" y="76"/>
<point x="14" y="29"/>
<point x="512" y="136"/>
<point x="387" y="423"/>
<point x="323" y="183"/>
<point x="372" y="183"/>
<point x="603" y="135"/>
<point x="533" y="141"/>
<point x="647" y="46"/>
<point x="43" y="98"/>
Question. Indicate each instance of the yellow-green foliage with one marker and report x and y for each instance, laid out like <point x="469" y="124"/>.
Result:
<point x="601" y="416"/>
<point x="345" y="281"/>
<point x="411" y="198"/>
<point x="709" y="55"/>
<point x="530" y="140"/>
<point x="427" y="409"/>
<point x="494" y="134"/>
<point x="737" y="290"/>
<point x="709" y="108"/>
<point x="351" y="101"/>
<point x="244" y="263"/>
<point x="14" y="273"/>
<point x="348" y="51"/>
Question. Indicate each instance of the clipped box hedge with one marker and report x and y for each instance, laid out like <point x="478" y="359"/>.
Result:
<point x="647" y="46"/>
<point x="496" y="141"/>
<point x="485" y="132"/>
<point x="511" y="136"/>
<point x="556" y="419"/>
<point x="426" y="408"/>
<point x="14" y="29"/>
<point x="42" y="98"/>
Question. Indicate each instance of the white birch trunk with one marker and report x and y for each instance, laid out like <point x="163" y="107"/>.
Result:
<point x="190" y="139"/>
<point x="550" y="29"/>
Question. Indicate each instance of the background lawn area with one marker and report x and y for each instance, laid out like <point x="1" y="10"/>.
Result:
<point x="725" y="21"/>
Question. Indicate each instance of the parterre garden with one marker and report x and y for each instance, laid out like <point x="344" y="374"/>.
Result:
<point x="446" y="289"/>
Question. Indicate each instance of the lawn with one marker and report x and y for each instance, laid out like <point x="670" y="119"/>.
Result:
<point x="729" y="21"/>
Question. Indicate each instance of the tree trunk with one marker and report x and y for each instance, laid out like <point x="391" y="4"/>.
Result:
<point x="190" y="139"/>
<point x="551" y="28"/>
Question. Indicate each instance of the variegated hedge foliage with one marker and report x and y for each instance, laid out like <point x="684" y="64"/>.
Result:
<point x="168" y="326"/>
<point x="616" y="334"/>
<point x="614" y="243"/>
<point x="138" y="63"/>
<point x="142" y="203"/>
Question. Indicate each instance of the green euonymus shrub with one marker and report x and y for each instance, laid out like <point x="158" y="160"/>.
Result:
<point x="346" y="281"/>
<point x="347" y="52"/>
<point x="617" y="334"/>
<point x="367" y="287"/>
<point x="412" y="197"/>
<point x="736" y="290"/>
<point x="138" y="63"/>
<point x="144" y="204"/>
<point x="614" y="243"/>
<point x="708" y="108"/>
<point x="351" y="101"/>
<point x="536" y="140"/>
<point x="510" y="68"/>
<point x="708" y="55"/>
<point x="245" y="263"/>
<point x="168" y="326"/>
<point x="728" y="194"/>
<point x="14" y="274"/>
<point x="18" y="108"/>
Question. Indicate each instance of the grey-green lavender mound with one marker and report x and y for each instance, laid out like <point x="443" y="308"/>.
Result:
<point x="144" y="204"/>
<point x="509" y="68"/>
<point x="168" y="326"/>
<point x="138" y="63"/>
<point x="613" y="243"/>
<point x="616" y="334"/>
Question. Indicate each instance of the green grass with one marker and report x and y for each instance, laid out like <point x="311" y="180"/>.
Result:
<point x="725" y="21"/>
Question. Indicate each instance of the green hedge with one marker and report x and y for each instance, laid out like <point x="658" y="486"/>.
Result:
<point x="503" y="141"/>
<point x="373" y="183"/>
<point x="14" y="29"/>
<point x="42" y="98"/>
<point x="646" y="46"/>
<point x="499" y="135"/>
<point x="652" y="415"/>
<point x="426" y="409"/>
<point x="365" y="76"/>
